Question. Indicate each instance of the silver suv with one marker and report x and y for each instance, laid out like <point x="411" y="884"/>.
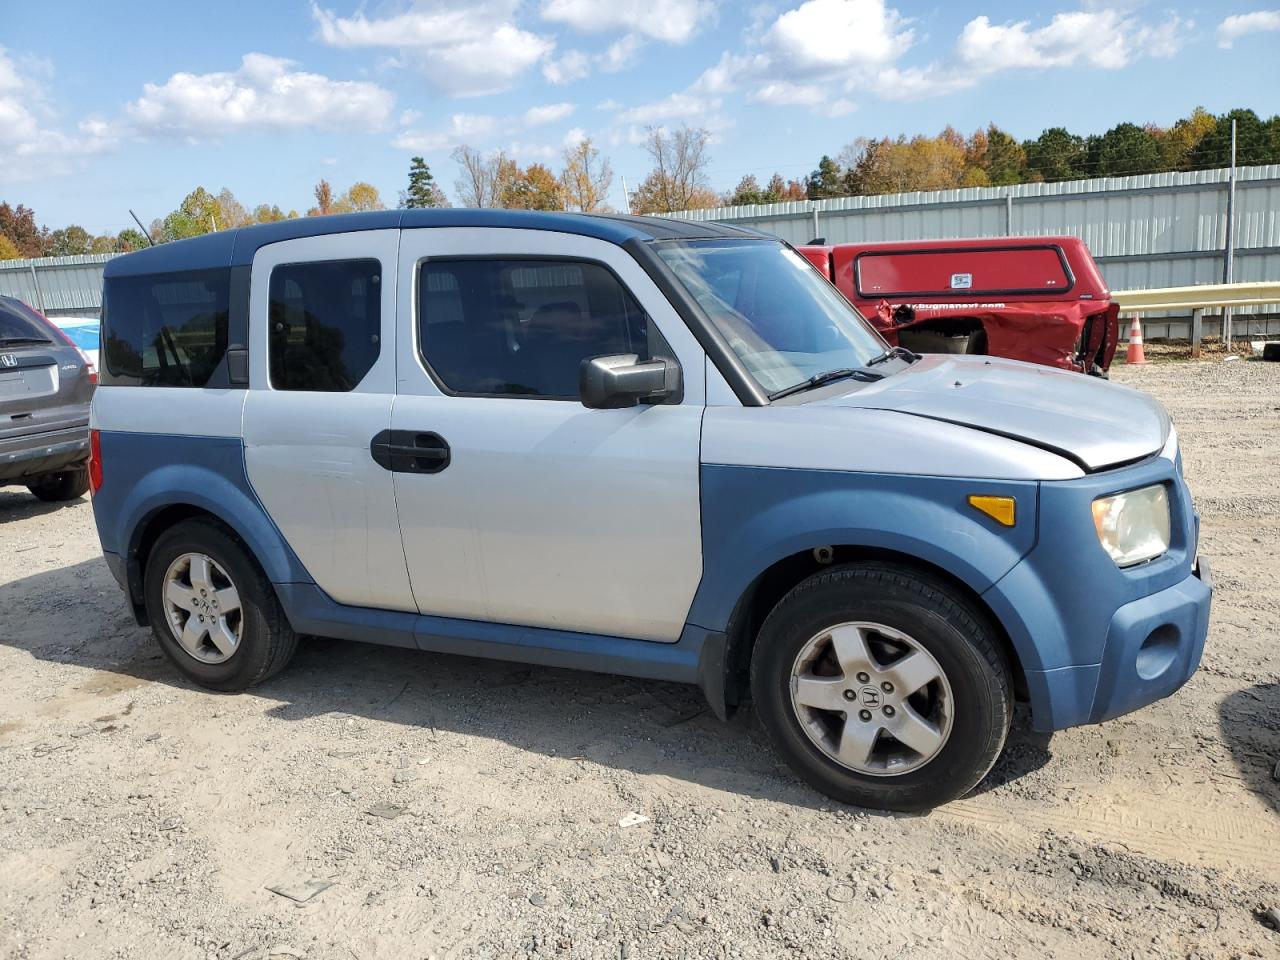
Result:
<point x="45" y="388"/>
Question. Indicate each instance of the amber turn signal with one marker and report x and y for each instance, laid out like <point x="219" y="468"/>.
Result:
<point x="1003" y="510"/>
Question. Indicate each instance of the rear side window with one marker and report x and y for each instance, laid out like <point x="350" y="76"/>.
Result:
<point x="165" y="330"/>
<point x="20" y="324"/>
<point x="963" y="272"/>
<point x="326" y="318"/>
<point x="523" y="327"/>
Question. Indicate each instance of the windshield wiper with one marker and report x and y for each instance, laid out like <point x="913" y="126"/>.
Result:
<point x="894" y="353"/>
<point x="14" y="341"/>
<point x="830" y="376"/>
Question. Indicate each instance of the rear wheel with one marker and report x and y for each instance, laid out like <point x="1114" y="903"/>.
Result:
<point x="66" y="485"/>
<point x="212" y="610"/>
<point x="881" y="686"/>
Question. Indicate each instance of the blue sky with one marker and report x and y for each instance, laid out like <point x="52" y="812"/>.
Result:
<point x="106" y="106"/>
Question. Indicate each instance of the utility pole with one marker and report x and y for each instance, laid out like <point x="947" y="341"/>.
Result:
<point x="1229" y="254"/>
<point x="626" y="194"/>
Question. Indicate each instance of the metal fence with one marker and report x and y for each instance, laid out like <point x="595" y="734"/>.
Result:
<point x="1154" y="230"/>
<point x="56" y="286"/>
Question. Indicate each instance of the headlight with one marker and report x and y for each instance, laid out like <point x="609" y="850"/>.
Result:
<point x="1134" y="526"/>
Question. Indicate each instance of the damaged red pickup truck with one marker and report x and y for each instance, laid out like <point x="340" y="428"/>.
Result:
<point x="1039" y="299"/>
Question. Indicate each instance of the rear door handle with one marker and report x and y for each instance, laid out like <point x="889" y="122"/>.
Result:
<point x="408" y="451"/>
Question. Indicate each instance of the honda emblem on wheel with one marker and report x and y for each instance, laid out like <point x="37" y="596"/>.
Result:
<point x="8" y="360"/>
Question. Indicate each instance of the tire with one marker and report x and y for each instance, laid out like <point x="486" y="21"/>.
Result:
<point x="67" y="485"/>
<point x="885" y="611"/>
<point x="264" y="641"/>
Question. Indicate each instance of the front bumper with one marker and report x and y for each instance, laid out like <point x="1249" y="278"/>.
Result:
<point x="1153" y="646"/>
<point x="1096" y="641"/>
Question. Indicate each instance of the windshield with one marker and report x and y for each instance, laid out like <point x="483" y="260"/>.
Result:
<point x="782" y="319"/>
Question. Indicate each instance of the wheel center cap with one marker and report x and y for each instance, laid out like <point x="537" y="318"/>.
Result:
<point x="870" y="696"/>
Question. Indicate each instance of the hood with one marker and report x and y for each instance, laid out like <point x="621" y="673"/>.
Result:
<point x="1094" y="423"/>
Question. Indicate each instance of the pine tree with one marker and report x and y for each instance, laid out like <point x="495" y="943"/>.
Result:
<point x="423" y="190"/>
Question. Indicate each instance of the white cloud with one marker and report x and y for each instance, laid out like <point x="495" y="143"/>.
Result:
<point x="536" y="116"/>
<point x="462" y="128"/>
<point x="840" y="33"/>
<point x="263" y="94"/>
<point x="464" y="49"/>
<point x="671" y="21"/>
<point x="572" y="65"/>
<point x="573" y="138"/>
<point x="621" y="53"/>
<point x="32" y="145"/>
<point x="1243" y="24"/>
<point x="483" y="128"/>
<point x="677" y="106"/>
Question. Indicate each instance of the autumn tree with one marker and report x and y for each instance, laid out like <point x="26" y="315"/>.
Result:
<point x="423" y="190"/>
<point x="18" y="224"/>
<point x="8" y="249"/>
<point x="1255" y="142"/>
<point x="533" y="188"/>
<point x="358" y="198"/>
<point x="324" y="200"/>
<point x="70" y="241"/>
<point x="678" y="180"/>
<point x="195" y="216"/>
<point x="477" y="177"/>
<point x="1178" y="142"/>
<point x="586" y="178"/>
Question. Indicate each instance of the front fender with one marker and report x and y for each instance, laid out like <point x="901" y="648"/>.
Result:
<point x="753" y="517"/>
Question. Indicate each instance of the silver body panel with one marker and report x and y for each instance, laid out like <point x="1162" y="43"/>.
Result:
<point x="307" y="453"/>
<point x="1096" y="423"/>
<point x="550" y="514"/>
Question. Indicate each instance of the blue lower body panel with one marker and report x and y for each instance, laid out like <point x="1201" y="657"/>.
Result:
<point x="310" y="610"/>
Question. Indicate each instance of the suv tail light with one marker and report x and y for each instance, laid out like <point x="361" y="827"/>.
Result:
<point x="95" y="461"/>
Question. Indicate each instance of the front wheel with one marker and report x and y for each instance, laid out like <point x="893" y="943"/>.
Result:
<point x="881" y="686"/>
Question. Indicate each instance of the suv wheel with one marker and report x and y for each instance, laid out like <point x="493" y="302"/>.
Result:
<point x="882" y="687"/>
<point x="67" y="485"/>
<point x="212" y="610"/>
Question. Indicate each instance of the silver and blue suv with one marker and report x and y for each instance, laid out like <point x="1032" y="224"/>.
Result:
<point x="647" y="447"/>
<point x="45" y="388"/>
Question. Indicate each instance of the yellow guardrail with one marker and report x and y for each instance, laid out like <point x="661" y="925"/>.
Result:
<point x="1199" y="297"/>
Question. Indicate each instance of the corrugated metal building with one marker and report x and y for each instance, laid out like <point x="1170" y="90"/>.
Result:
<point x="56" y="286"/>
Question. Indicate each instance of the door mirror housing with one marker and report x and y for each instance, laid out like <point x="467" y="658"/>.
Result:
<point x="623" y="380"/>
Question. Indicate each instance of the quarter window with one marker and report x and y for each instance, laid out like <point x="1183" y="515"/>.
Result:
<point x="523" y="327"/>
<point x="165" y="330"/>
<point x="326" y="321"/>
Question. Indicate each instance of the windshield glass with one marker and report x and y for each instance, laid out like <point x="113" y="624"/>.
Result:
<point x="782" y="319"/>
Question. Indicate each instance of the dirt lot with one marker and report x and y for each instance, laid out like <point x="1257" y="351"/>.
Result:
<point x="141" y="817"/>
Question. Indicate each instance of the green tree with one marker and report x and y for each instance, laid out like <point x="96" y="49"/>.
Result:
<point x="130" y="239"/>
<point x="423" y="190"/>
<point x="70" y="241"/>
<point x="1056" y="155"/>
<point x="1124" y="150"/>
<point x="747" y="192"/>
<point x="1254" y="143"/>
<point x="195" y="216"/>
<point x="1006" y="161"/>
<point x="826" y="181"/>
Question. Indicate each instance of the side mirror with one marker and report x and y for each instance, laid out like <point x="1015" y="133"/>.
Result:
<point x="622" y="380"/>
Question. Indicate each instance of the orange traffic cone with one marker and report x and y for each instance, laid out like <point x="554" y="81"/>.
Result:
<point x="1135" y="354"/>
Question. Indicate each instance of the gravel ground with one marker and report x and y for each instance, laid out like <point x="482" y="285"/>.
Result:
<point x="466" y="808"/>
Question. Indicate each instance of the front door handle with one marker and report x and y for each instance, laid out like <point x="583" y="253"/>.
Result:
<point x="408" y="451"/>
